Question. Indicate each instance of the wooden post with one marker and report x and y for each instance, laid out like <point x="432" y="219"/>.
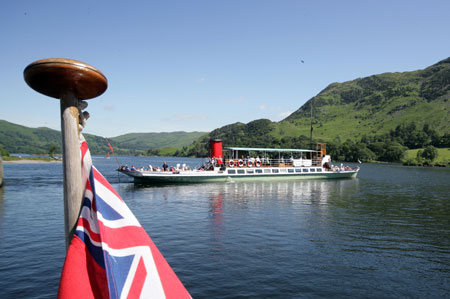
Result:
<point x="71" y="163"/>
<point x="70" y="81"/>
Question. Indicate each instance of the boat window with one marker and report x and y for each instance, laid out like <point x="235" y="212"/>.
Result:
<point x="319" y="169"/>
<point x="241" y="171"/>
<point x="266" y="170"/>
<point x="258" y="170"/>
<point x="231" y="171"/>
<point x="283" y="170"/>
<point x="274" y="170"/>
<point x="305" y="170"/>
<point x="250" y="171"/>
<point x="290" y="170"/>
<point x="313" y="170"/>
<point x="298" y="170"/>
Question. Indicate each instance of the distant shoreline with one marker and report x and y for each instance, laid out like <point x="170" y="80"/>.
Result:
<point x="34" y="161"/>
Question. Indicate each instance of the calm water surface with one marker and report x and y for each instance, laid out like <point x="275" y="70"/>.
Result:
<point x="385" y="234"/>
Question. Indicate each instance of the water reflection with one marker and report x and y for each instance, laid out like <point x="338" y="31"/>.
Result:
<point x="216" y="209"/>
<point x="2" y="191"/>
<point x="317" y="192"/>
<point x="297" y="192"/>
<point x="217" y="226"/>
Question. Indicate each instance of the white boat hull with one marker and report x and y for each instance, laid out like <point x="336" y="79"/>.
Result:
<point x="271" y="174"/>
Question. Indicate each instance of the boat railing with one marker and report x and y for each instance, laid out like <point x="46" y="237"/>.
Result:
<point x="267" y="162"/>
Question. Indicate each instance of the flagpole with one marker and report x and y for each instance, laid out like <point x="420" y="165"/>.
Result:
<point x="70" y="81"/>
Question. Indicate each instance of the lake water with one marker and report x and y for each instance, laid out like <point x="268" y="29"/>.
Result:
<point x="385" y="234"/>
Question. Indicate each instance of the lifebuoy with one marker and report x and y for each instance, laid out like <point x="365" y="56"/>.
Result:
<point x="258" y="164"/>
<point x="241" y="163"/>
<point x="231" y="163"/>
<point x="250" y="163"/>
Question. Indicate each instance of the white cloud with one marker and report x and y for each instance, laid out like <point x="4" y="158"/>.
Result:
<point x="238" y="100"/>
<point x="269" y="108"/>
<point x="201" y="80"/>
<point x="284" y="114"/>
<point x="189" y="116"/>
<point x="109" y="107"/>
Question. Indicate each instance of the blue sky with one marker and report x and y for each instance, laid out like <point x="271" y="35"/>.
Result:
<point x="199" y="65"/>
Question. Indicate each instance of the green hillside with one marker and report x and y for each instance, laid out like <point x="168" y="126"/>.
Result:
<point x="149" y="141"/>
<point x="378" y="117"/>
<point x="377" y="104"/>
<point x="443" y="155"/>
<point x="20" y="139"/>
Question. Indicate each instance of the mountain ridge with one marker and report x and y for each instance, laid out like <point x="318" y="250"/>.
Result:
<point x="16" y="138"/>
<point x="364" y="107"/>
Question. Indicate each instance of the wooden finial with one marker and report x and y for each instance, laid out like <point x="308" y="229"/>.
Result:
<point x="70" y="81"/>
<point x="55" y="76"/>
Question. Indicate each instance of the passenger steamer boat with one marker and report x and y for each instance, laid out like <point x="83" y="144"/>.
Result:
<point x="288" y="164"/>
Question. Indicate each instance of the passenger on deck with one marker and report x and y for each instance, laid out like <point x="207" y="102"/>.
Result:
<point x="165" y="166"/>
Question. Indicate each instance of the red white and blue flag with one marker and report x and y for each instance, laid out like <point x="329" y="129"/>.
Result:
<point x="111" y="255"/>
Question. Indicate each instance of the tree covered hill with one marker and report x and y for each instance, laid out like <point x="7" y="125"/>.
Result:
<point x="148" y="141"/>
<point x="20" y="139"/>
<point x="377" y="104"/>
<point x="390" y="107"/>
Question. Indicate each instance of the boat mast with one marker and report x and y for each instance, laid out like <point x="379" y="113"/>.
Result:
<point x="311" y="131"/>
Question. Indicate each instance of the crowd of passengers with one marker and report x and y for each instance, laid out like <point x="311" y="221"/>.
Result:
<point x="164" y="167"/>
<point x="210" y="164"/>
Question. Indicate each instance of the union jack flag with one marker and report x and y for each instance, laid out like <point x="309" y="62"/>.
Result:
<point x="111" y="255"/>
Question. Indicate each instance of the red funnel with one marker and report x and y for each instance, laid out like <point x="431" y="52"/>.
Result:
<point x="216" y="149"/>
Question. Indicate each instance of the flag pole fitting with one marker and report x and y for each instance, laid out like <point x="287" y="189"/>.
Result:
<point x="71" y="82"/>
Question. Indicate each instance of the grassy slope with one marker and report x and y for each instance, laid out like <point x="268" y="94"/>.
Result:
<point x="156" y="140"/>
<point x="20" y="139"/>
<point x="373" y="105"/>
<point x="443" y="155"/>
